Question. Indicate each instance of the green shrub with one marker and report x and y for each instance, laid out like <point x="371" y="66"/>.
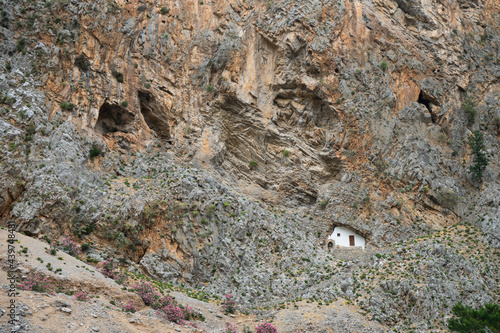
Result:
<point x="285" y="153"/>
<point x="209" y="88"/>
<point x="383" y="66"/>
<point x="147" y="85"/>
<point x="21" y="45"/>
<point x="466" y="319"/>
<point x="447" y="198"/>
<point x="118" y="76"/>
<point x="95" y="151"/>
<point x="210" y="210"/>
<point x="381" y="165"/>
<point x="252" y="164"/>
<point x="164" y="11"/>
<point x="323" y="203"/>
<point x="30" y="131"/>
<point x="67" y="106"/>
<point x="124" y="104"/>
<point x="86" y="229"/>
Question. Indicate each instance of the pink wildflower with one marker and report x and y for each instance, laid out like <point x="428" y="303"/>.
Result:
<point x="266" y="328"/>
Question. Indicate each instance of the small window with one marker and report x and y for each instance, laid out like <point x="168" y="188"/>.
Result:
<point x="338" y="235"/>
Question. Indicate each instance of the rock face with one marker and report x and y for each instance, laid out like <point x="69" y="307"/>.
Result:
<point x="219" y="143"/>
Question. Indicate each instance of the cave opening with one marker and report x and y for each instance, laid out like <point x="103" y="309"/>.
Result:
<point x="154" y="116"/>
<point x="424" y="99"/>
<point x="113" y="118"/>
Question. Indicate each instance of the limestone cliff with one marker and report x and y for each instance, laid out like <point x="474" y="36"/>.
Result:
<point x="230" y="137"/>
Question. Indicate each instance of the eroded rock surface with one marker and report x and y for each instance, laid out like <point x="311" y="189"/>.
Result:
<point x="218" y="143"/>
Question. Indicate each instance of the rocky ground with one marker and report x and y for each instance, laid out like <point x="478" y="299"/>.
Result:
<point x="215" y="145"/>
<point x="57" y="310"/>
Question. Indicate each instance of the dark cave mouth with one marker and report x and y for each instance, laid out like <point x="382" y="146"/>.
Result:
<point x="113" y="118"/>
<point x="426" y="100"/>
<point x="152" y="113"/>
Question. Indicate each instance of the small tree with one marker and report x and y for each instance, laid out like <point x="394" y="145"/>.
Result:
<point x="479" y="159"/>
<point x="468" y="319"/>
<point x="470" y="109"/>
